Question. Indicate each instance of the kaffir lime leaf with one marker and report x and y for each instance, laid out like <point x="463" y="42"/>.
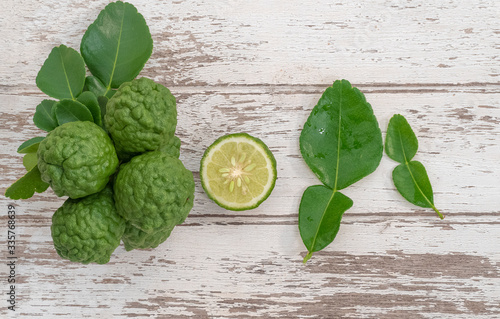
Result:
<point x="238" y="171"/>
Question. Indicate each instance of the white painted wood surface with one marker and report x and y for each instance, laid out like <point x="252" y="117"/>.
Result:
<point x="260" y="67"/>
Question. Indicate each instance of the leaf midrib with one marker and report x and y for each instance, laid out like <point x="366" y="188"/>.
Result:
<point x="65" y="74"/>
<point x="336" y="172"/>
<point x="108" y="87"/>
<point x="413" y="178"/>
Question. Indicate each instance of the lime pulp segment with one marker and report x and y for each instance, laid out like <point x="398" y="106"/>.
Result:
<point x="238" y="172"/>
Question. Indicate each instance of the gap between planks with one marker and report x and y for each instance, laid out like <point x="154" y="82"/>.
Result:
<point x="283" y="88"/>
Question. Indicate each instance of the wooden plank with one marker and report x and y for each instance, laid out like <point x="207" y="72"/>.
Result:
<point x="458" y="135"/>
<point x="257" y="270"/>
<point x="263" y="43"/>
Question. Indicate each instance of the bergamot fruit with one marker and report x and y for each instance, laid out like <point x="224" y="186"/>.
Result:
<point x="134" y="238"/>
<point x="77" y="159"/>
<point x="140" y="116"/>
<point x="153" y="191"/>
<point x="171" y="147"/>
<point x="87" y="230"/>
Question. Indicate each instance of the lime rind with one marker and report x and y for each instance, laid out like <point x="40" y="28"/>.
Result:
<point x="226" y="143"/>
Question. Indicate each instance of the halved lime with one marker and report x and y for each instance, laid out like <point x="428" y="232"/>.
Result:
<point x="238" y="171"/>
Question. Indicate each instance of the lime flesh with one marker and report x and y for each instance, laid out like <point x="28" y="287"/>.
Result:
<point x="238" y="171"/>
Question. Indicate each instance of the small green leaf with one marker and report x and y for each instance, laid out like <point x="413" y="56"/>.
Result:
<point x="62" y="75"/>
<point x="95" y="86"/>
<point x="401" y="144"/>
<point x="71" y="111"/>
<point x="410" y="177"/>
<point x="90" y="101"/>
<point x="413" y="184"/>
<point x="30" y="146"/>
<point x="117" y="45"/>
<point x="320" y="213"/>
<point x="30" y="160"/>
<point x="44" y="117"/>
<point x="26" y="186"/>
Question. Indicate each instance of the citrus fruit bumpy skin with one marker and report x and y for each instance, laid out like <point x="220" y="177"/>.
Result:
<point x="154" y="191"/>
<point x="140" y="116"/>
<point x="171" y="147"/>
<point x="134" y="238"/>
<point x="238" y="171"/>
<point x="77" y="159"/>
<point x="89" y="229"/>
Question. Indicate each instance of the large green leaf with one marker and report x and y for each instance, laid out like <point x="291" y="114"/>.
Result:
<point x="89" y="99"/>
<point x="117" y="45"/>
<point x="71" y="111"/>
<point x="320" y="213"/>
<point x="27" y="185"/>
<point x="401" y="144"/>
<point x="410" y="177"/>
<point x="62" y="75"/>
<point x="44" y="117"/>
<point x="341" y="141"/>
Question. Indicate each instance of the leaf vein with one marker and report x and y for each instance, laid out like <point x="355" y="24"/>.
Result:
<point x="116" y="55"/>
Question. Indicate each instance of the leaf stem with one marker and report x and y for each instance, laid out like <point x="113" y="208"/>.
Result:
<point x="307" y="257"/>
<point x="438" y="212"/>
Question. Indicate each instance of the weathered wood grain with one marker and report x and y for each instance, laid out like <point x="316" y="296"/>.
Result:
<point x="276" y="42"/>
<point x="260" y="67"/>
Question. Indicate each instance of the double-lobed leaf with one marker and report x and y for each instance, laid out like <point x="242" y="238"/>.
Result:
<point x="342" y="143"/>
<point x="26" y="186"/>
<point x="62" y="75"/>
<point x="29" y="148"/>
<point x="410" y="177"/>
<point x="116" y="46"/>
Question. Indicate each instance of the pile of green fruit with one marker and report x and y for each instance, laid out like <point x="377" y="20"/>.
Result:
<point x="110" y="145"/>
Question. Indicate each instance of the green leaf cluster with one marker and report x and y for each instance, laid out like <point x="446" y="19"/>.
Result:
<point x="341" y="142"/>
<point x="410" y="177"/>
<point x="115" y="48"/>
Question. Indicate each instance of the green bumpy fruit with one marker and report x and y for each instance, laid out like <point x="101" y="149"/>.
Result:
<point x="171" y="147"/>
<point x="89" y="229"/>
<point x="140" y="116"/>
<point x="134" y="238"/>
<point x="154" y="191"/>
<point x="77" y="159"/>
